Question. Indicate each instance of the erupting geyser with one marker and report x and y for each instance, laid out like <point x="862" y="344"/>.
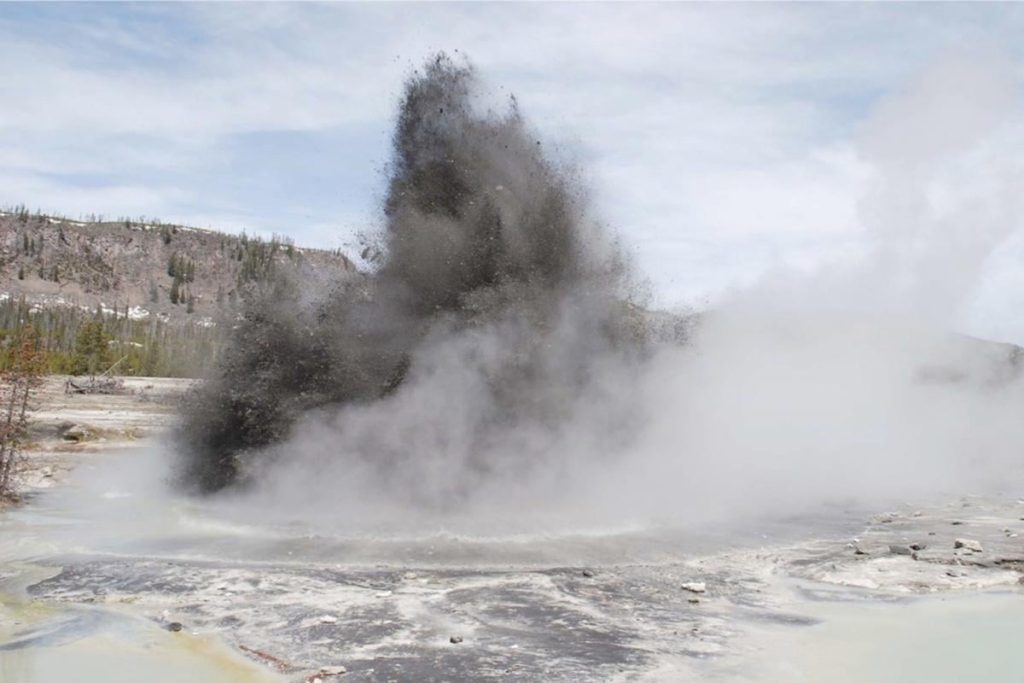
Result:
<point x="498" y="303"/>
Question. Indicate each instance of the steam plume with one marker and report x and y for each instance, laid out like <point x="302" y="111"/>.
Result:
<point x="496" y="299"/>
<point x="494" y="364"/>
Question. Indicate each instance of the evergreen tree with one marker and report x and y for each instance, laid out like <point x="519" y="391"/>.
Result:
<point x="176" y="289"/>
<point x="92" y="350"/>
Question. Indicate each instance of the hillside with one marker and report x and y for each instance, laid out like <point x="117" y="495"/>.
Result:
<point x="126" y="264"/>
<point x="151" y="297"/>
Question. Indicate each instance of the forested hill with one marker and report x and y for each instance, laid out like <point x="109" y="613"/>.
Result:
<point x="150" y="293"/>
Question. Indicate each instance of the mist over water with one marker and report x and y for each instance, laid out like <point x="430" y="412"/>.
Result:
<point x="472" y="354"/>
<point x="495" y="373"/>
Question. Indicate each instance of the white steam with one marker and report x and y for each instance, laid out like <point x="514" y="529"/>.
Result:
<point x="848" y="384"/>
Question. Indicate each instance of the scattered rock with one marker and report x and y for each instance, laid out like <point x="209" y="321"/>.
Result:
<point x="588" y="573"/>
<point x="455" y="640"/>
<point x="694" y="586"/>
<point x="955" y="573"/>
<point x="174" y="626"/>
<point x="967" y="544"/>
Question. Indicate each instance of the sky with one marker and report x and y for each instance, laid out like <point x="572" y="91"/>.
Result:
<point x="722" y="143"/>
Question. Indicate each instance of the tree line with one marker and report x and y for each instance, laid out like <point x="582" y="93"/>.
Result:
<point x="73" y="341"/>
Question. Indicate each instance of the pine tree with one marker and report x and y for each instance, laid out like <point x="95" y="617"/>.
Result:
<point x="176" y="290"/>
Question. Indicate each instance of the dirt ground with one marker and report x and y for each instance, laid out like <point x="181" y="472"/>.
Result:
<point x="67" y="426"/>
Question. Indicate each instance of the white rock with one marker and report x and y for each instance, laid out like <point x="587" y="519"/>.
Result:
<point x="967" y="544"/>
<point x="694" y="586"/>
<point x="328" y="619"/>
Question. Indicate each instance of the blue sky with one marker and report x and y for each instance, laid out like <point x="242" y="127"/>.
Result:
<point x="722" y="142"/>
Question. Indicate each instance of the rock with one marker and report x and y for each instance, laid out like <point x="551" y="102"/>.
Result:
<point x="174" y="626"/>
<point x="694" y="586"/>
<point x="967" y="544"/>
<point x="75" y="433"/>
<point x="409" y="576"/>
<point x="455" y="640"/>
<point x="956" y="522"/>
<point x="693" y="601"/>
<point x="900" y="550"/>
<point x="332" y="670"/>
<point x="858" y="551"/>
<point x="328" y="619"/>
<point x="588" y="573"/>
<point x="917" y="546"/>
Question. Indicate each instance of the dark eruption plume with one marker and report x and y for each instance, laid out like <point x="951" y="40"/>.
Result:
<point x="497" y="296"/>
